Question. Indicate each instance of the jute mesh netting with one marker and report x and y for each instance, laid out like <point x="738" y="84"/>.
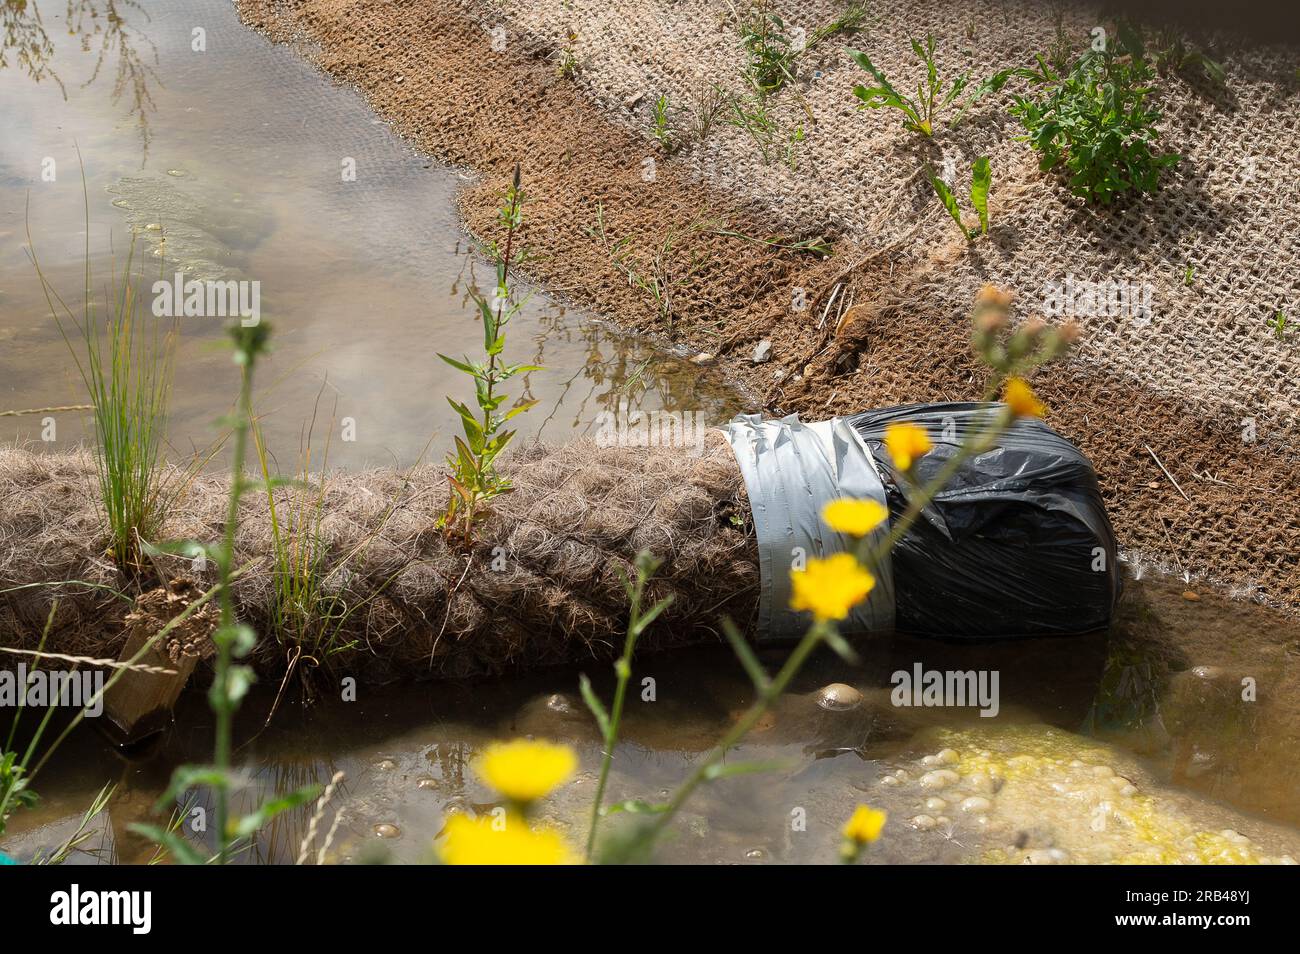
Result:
<point x="1218" y="247"/>
<point x="543" y="585"/>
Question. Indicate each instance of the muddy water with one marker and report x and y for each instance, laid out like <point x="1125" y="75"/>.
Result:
<point x="1133" y="746"/>
<point x="235" y="162"/>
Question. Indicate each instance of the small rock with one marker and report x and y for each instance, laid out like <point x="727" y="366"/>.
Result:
<point x="940" y="778"/>
<point x="385" y="830"/>
<point x="838" y="697"/>
<point x="762" y="351"/>
<point x="976" y="803"/>
<point x="922" y="822"/>
<point x="935" y="804"/>
<point x="1191" y="595"/>
<point x="425" y="781"/>
<point x="702" y="358"/>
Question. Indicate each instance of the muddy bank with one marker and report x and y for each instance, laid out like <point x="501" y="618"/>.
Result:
<point x="430" y="69"/>
<point x="399" y="599"/>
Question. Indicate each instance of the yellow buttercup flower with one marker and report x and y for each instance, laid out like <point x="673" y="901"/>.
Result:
<point x="831" y="587"/>
<point x="865" y="825"/>
<point x="854" y="517"/>
<point x="525" y="771"/>
<point x="1022" y="400"/>
<point x="493" y="841"/>
<point x="905" y="443"/>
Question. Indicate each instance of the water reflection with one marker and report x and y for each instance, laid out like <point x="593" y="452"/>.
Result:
<point x="124" y="50"/>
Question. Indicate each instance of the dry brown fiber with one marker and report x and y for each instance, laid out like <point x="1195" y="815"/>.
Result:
<point x="543" y="586"/>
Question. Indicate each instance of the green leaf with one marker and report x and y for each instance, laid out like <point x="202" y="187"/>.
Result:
<point x="947" y="198"/>
<point x="841" y="647"/>
<point x="594" y="704"/>
<point x="181" y="850"/>
<point x="979" y="191"/>
<point x="186" y="777"/>
<point x="648" y="617"/>
<point x="250" y="824"/>
<point x="458" y="365"/>
<point x="757" y="675"/>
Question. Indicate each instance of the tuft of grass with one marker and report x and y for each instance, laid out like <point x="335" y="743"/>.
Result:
<point x="126" y="360"/>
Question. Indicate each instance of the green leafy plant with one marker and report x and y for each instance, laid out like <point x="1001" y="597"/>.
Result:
<point x="932" y="95"/>
<point x="1278" y="323"/>
<point x="567" y="64"/>
<point x="1173" y="54"/>
<point x="771" y="53"/>
<point x="981" y="179"/>
<point x="234" y="640"/>
<point x="639" y="619"/>
<point x="661" y="127"/>
<point x="474" y="478"/>
<point x="1096" y="122"/>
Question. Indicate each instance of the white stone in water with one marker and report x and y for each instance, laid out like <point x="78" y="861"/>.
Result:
<point x="1207" y="672"/>
<point x="940" y="778"/>
<point x="385" y="765"/>
<point x="425" y="781"/>
<point x="1102" y="771"/>
<point x="385" y="830"/>
<point x="981" y="782"/>
<point x="903" y="775"/>
<point x="889" y="780"/>
<point x="935" y="804"/>
<point x="837" y="697"/>
<point x="922" y="822"/>
<point x="949" y="757"/>
<point x="1128" y="791"/>
<point x="976" y="803"/>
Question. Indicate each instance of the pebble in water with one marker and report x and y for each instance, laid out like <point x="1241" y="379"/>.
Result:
<point x="385" y="830"/>
<point x="756" y="854"/>
<point x="425" y="781"/>
<point x="385" y="765"/>
<point x="923" y="822"/>
<point x="935" y="804"/>
<point x="976" y="803"/>
<point x="940" y="778"/>
<point x="837" y="697"/>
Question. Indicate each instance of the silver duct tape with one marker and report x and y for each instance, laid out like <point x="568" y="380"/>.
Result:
<point x="791" y="471"/>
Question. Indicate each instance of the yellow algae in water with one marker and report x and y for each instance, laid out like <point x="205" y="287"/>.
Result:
<point x="1095" y="814"/>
